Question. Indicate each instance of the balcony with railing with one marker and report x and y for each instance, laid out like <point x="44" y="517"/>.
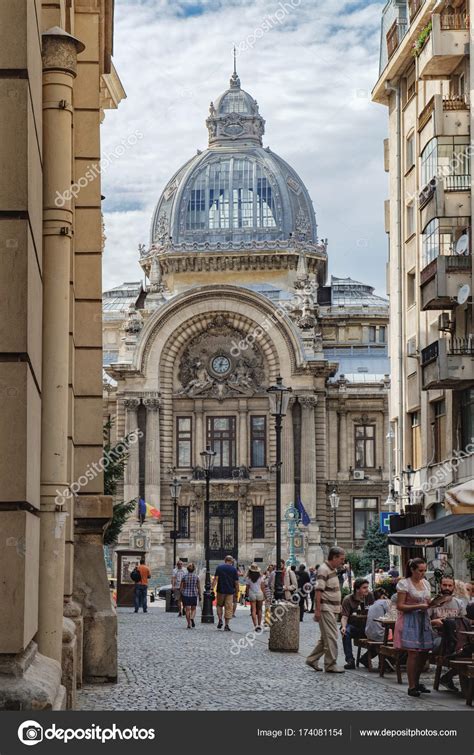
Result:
<point x="395" y="35"/>
<point x="448" y="364"/>
<point x="446" y="262"/>
<point x="445" y="167"/>
<point x="451" y="114"/>
<point x="414" y="6"/>
<point x="442" y="46"/>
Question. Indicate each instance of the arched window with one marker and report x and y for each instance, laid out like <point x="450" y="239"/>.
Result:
<point x="233" y="193"/>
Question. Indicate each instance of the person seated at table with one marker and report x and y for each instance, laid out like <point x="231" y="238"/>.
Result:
<point x="451" y="608"/>
<point x="373" y="629"/>
<point x="352" y="629"/>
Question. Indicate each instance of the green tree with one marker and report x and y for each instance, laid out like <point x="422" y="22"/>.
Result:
<point x="114" y="470"/>
<point x="375" y="548"/>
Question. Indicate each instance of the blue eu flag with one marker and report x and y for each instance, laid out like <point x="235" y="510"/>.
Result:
<point x="305" y="518"/>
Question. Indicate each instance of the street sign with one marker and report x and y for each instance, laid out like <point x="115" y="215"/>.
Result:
<point x="385" y="522"/>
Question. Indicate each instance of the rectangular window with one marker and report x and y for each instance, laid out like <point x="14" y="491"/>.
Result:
<point x="415" y="440"/>
<point x="183" y="522"/>
<point x="382" y="334"/>
<point x="439" y="431"/>
<point x="221" y="438"/>
<point x="258" y="522"/>
<point x="364" y="446"/>
<point x="410" y="220"/>
<point x="411" y="289"/>
<point x="258" y="437"/>
<point x="365" y="512"/>
<point x="410" y="151"/>
<point x="372" y="333"/>
<point x="184" y="442"/>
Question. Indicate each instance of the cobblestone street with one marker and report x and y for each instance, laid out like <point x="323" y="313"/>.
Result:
<point x="163" y="666"/>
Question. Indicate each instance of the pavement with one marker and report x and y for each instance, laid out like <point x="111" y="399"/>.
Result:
<point x="164" y="666"/>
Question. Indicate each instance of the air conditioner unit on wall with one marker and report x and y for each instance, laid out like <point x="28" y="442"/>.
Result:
<point x="358" y="474"/>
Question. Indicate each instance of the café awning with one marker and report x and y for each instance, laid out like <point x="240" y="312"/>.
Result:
<point x="432" y="533"/>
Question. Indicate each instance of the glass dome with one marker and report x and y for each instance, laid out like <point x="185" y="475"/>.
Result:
<point x="236" y="192"/>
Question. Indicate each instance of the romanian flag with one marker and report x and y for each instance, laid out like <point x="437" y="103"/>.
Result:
<point x="148" y="510"/>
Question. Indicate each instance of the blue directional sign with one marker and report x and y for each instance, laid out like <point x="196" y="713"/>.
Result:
<point x="385" y="522"/>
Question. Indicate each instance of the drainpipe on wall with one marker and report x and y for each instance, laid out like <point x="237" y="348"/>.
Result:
<point x="394" y="87"/>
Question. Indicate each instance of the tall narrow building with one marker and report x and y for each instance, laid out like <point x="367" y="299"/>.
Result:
<point x="426" y="80"/>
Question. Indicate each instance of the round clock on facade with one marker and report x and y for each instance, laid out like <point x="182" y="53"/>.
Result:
<point x="220" y="364"/>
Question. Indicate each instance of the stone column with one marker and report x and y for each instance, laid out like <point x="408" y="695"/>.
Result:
<point x="343" y="443"/>
<point x="288" y="467"/>
<point x="199" y="433"/>
<point x="308" y="454"/>
<point x="152" y="458"/>
<point x="132" y="469"/>
<point x="91" y="589"/>
<point x="244" y="455"/>
<point x="59" y="70"/>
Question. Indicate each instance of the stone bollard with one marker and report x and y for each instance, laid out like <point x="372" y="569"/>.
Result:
<point x="284" y="627"/>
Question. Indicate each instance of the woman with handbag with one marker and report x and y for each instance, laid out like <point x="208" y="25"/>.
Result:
<point x="255" y="595"/>
<point x="413" y="627"/>
<point x="290" y="582"/>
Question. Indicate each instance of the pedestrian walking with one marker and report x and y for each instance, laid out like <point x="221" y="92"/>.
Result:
<point x="313" y="572"/>
<point x="413" y="631"/>
<point x="290" y="583"/>
<point x="327" y="609"/>
<point x="178" y="573"/>
<point x="141" y="587"/>
<point x="190" y="589"/>
<point x="268" y="585"/>
<point x="254" y="582"/>
<point x="304" y="587"/>
<point x="227" y="580"/>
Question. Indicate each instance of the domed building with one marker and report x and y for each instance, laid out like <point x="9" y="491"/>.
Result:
<point x="236" y="296"/>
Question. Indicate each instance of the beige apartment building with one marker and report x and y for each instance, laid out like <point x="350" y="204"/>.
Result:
<point x="57" y="625"/>
<point x="426" y="80"/>
<point x="237" y="294"/>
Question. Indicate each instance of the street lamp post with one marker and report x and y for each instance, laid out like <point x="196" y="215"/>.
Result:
<point x="207" y="614"/>
<point x="279" y="397"/>
<point x="292" y="516"/>
<point x="408" y="473"/>
<point x="175" y="491"/>
<point x="334" y="501"/>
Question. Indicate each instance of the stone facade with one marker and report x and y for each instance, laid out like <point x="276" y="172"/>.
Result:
<point x="428" y="218"/>
<point x="53" y="82"/>
<point x="237" y="296"/>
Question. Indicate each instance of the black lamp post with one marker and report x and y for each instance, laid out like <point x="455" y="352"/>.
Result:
<point x="408" y="473"/>
<point x="175" y="491"/>
<point x="279" y="397"/>
<point x="207" y="614"/>
<point x="334" y="501"/>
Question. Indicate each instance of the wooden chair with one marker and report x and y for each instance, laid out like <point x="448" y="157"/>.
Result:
<point x="368" y="645"/>
<point x="388" y="651"/>
<point x="465" y="669"/>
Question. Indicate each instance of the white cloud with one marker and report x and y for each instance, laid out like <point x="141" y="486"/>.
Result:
<point x="311" y="74"/>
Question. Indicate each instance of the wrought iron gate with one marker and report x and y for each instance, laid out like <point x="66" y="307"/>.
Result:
<point x="223" y="532"/>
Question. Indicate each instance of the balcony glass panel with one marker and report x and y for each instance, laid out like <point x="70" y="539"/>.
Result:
<point x="445" y="236"/>
<point x="447" y="158"/>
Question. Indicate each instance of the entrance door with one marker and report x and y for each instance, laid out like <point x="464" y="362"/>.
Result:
<point x="222" y="530"/>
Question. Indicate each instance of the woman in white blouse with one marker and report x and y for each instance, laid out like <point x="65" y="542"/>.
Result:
<point x="413" y="628"/>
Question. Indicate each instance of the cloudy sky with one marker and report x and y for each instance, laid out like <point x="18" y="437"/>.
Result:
<point x="311" y="65"/>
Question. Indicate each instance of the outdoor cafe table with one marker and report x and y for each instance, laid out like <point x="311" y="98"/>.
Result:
<point x="388" y="624"/>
